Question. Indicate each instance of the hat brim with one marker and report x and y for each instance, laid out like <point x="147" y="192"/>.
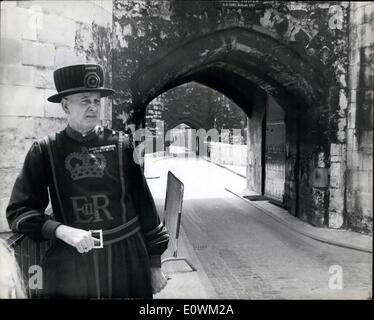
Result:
<point x="56" y="98"/>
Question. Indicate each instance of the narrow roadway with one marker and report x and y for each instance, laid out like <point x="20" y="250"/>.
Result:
<point x="245" y="253"/>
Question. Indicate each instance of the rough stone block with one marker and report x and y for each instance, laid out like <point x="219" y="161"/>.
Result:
<point x="336" y="175"/>
<point x="342" y="123"/>
<point x="105" y="4"/>
<point x="7" y="179"/>
<point x="17" y="23"/>
<point x="363" y="181"/>
<point x="56" y="7"/>
<point x="365" y="33"/>
<point x="354" y="160"/>
<point x="17" y="75"/>
<point x="365" y="102"/>
<point x="4" y="226"/>
<point x="10" y="51"/>
<point x="21" y="101"/>
<point x="367" y="140"/>
<point x="88" y="12"/>
<point x="352" y="98"/>
<point x="350" y="121"/>
<point x="335" y="182"/>
<point x="336" y="149"/>
<point x="367" y="56"/>
<point x="370" y="181"/>
<point x="16" y="148"/>
<point x="26" y="76"/>
<point x="38" y="54"/>
<point x="321" y="160"/>
<point x="370" y="13"/>
<point x="17" y="134"/>
<point x="363" y="14"/>
<point x="343" y="101"/>
<point x="367" y="163"/>
<point x="365" y="202"/>
<point x="14" y="156"/>
<point x="335" y="158"/>
<point x="351" y="200"/>
<point x="354" y="38"/>
<point x="57" y="30"/>
<point x="66" y="56"/>
<point x="367" y="78"/>
<point x="353" y="77"/>
<point x="336" y="200"/>
<point x="45" y="126"/>
<point x="352" y="144"/>
<point x="355" y="5"/>
<point x="352" y="181"/>
<point x="341" y="134"/>
<point x="335" y="219"/>
<point x="354" y="53"/>
<point x="44" y="78"/>
<point x="320" y="178"/>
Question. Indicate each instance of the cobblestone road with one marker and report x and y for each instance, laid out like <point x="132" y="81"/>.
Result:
<point x="248" y="255"/>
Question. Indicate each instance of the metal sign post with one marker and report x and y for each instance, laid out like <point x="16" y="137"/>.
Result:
<point x="172" y="215"/>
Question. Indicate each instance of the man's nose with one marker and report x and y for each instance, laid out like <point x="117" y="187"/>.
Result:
<point x="93" y="106"/>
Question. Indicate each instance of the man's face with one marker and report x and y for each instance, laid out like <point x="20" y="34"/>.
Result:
<point x="82" y="109"/>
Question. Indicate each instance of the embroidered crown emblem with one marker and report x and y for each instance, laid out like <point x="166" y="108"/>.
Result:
<point x="85" y="165"/>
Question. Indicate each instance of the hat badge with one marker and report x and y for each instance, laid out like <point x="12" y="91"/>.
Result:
<point x="91" y="80"/>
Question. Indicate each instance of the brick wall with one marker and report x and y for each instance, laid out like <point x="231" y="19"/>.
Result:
<point x="36" y="38"/>
<point x="359" y="175"/>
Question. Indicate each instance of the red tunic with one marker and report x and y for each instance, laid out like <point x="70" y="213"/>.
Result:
<point x="93" y="183"/>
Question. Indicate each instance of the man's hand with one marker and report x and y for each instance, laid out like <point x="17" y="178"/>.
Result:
<point x="78" y="238"/>
<point x="158" y="280"/>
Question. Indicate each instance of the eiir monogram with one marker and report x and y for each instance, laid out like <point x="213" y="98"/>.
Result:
<point x="91" y="209"/>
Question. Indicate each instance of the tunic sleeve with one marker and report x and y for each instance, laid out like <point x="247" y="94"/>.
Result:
<point x="29" y="199"/>
<point x="154" y="232"/>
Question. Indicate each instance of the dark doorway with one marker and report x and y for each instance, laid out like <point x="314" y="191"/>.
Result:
<point x="275" y="151"/>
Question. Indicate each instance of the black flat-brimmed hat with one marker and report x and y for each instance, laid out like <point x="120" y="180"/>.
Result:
<point x="79" y="78"/>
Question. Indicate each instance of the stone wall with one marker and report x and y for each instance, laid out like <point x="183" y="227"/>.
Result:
<point x="255" y="143"/>
<point x="228" y="154"/>
<point x="359" y="147"/>
<point x="36" y="38"/>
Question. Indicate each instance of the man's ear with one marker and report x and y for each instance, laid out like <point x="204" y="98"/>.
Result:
<point x="64" y="104"/>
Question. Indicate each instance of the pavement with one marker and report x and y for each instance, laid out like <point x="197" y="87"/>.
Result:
<point x="252" y="249"/>
<point x="183" y="282"/>
<point x="339" y="237"/>
<point x="239" y="170"/>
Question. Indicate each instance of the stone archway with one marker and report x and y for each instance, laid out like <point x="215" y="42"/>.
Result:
<point x="244" y="64"/>
<point x="193" y="123"/>
<point x="248" y="56"/>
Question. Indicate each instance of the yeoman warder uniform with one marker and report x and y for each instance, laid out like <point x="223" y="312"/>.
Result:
<point x="93" y="183"/>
